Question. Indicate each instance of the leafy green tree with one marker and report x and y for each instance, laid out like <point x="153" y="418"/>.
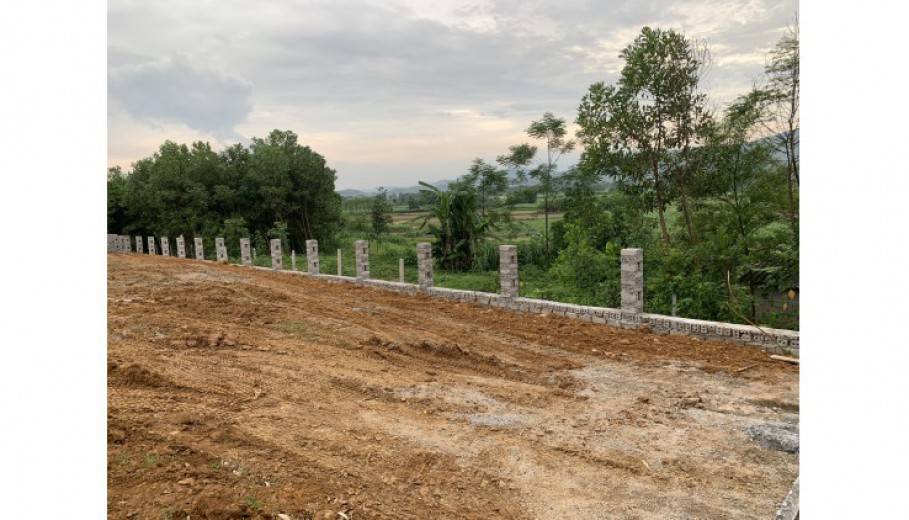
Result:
<point x="380" y="215"/>
<point x="782" y="103"/>
<point x="553" y="130"/>
<point x="642" y="130"/>
<point x="116" y="211"/>
<point x="456" y="224"/>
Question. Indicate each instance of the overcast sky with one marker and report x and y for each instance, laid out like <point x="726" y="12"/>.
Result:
<point x="398" y="91"/>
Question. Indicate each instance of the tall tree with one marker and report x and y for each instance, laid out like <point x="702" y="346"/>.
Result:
<point x="380" y="215"/>
<point x="782" y="93"/>
<point x="642" y="130"/>
<point x="553" y="130"/>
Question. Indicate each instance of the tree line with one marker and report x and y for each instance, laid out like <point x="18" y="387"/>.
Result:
<point x="711" y="197"/>
<point x="274" y="188"/>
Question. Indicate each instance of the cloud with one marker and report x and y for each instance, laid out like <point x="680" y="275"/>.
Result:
<point x="378" y="87"/>
<point x="173" y="90"/>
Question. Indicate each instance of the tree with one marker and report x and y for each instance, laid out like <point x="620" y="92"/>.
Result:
<point x="782" y="95"/>
<point x="380" y="215"/>
<point x="642" y="130"/>
<point x="552" y="130"/>
<point x="460" y="226"/>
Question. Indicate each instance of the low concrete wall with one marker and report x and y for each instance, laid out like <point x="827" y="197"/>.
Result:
<point x="771" y="339"/>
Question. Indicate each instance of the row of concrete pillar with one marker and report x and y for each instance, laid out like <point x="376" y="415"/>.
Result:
<point x="632" y="263"/>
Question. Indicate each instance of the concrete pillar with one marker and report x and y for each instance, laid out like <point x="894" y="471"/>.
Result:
<point x="339" y="263"/>
<point x="111" y="243"/>
<point x="139" y="244"/>
<point x="165" y="246"/>
<point x="633" y="280"/>
<point x="254" y="253"/>
<point x="127" y="247"/>
<point x="151" y="246"/>
<point x="508" y="271"/>
<point x="401" y="270"/>
<point x="200" y="250"/>
<point x="424" y="264"/>
<point x="245" y="257"/>
<point x="312" y="257"/>
<point x="293" y="259"/>
<point x="362" y="250"/>
<point x="220" y="251"/>
<point x="181" y="247"/>
<point x="276" y="254"/>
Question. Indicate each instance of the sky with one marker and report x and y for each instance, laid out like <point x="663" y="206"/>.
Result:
<point x="399" y="91"/>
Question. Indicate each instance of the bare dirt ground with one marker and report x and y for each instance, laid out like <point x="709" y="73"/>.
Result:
<point x="241" y="393"/>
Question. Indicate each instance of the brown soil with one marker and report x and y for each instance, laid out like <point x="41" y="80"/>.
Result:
<point x="240" y="393"/>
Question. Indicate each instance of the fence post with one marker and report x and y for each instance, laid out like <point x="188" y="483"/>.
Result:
<point x="508" y="271"/>
<point x="276" y="254"/>
<point x="401" y="270"/>
<point x="633" y="280"/>
<point x="245" y="258"/>
<point x="293" y="259"/>
<point x="151" y="246"/>
<point x="312" y="257"/>
<point x="362" y="253"/>
<point x="424" y="264"/>
<point x="339" y="262"/>
<point x="200" y="249"/>
<point x="220" y="251"/>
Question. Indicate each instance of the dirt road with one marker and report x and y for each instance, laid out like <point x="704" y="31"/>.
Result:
<point x="241" y="393"/>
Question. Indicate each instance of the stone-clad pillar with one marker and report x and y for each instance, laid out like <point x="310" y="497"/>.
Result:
<point x="508" y="271"/>
<point x="220" y="251"/>
<point x="633" y="280"/>
<point x="151" y="246"/>
<point x="181" y="247"/>
<point x="312" y="257"/>
<point x="245" y="255"/>
<point x="165" y="246"/>
<point x="276" y="254"/>
<point x="200" y="250"/>
<point x="424" y="264"/>
<point x="362" y="254"/>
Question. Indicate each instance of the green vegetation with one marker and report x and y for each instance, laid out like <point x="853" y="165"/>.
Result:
<point x="712" y="198"/>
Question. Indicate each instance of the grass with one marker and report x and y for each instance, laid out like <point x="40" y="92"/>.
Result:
<point x="150" y="460"/>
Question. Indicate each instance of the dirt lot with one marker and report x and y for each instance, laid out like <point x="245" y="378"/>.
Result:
<point x="241" y="393"/>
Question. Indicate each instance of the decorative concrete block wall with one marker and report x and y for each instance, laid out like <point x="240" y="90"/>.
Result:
<point x="245" y="254"/>
<point x="276" y="254"/>
<point x="362" y="254"/>
<point x="220" y="251"/>
<point x="151" y="246"/>
<point x="139" y="248"/>
<point x="200" y="249"/>
<point x="181" y="247"/>
<point x="165" y="246"/>
<point x="111" y="243"/>
<point x="508" y="271"/>
<point x="632" y="271"/>
<point x="312" y="257"/>
<point x="424" y="264"/>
